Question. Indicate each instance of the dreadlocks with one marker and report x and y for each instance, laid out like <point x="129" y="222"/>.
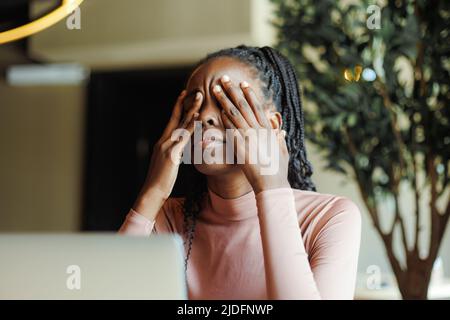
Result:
<point x="279" y="83"/>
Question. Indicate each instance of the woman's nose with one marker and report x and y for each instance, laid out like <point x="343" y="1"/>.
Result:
<point x="209" y="114"/>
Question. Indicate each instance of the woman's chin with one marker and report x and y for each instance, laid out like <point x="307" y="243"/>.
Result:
<point x="215" y="169"/>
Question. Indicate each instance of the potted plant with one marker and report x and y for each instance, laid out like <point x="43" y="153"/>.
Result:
<point x="376" y="79"/>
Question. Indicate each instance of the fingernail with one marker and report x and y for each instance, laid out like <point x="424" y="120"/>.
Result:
<point x="225" y="78"/>
<point x="244" y="84"/>
<point x="283" y="132"/>
<point x="196" y="115"/>
<point x="198" y="96"/>
<point x="217" y="88"/>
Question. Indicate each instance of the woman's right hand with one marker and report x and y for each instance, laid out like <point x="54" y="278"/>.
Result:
<point x="166" y="158"/>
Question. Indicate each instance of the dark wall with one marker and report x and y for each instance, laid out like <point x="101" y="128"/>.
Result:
<point x="127" y="112"/>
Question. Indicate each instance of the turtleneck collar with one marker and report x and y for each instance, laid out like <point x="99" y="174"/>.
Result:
<point x="236" y="209"/>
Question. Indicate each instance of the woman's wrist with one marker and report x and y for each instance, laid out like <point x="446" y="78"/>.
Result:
<point x="149" y="202"/>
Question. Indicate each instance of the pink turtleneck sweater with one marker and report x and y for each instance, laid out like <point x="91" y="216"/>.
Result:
<point x="280" y="244"/>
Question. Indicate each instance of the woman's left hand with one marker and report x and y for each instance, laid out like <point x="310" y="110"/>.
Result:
<point x="243" y="111"/>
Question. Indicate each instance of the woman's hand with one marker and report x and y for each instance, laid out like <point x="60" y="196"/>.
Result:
<point x="243" y="111"/>
<point x="166" y="158"/>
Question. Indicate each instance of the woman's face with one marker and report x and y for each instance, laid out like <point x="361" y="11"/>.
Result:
<point x="203" y="80"/>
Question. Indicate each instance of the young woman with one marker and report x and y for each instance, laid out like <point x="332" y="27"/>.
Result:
<point x="249" y="235"/>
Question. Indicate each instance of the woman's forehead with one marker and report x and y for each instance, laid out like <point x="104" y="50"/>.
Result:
<point x="211" y="72"/>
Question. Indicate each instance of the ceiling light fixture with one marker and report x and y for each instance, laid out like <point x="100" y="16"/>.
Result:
<point x="42" y="23"/>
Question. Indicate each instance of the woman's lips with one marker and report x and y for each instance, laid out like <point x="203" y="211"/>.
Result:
<point x="211" y="142"/>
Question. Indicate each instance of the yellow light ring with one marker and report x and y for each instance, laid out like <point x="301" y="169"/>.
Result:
<point x="66" y="8"/>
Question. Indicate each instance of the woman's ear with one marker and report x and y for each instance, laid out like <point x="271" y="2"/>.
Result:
<point x="275" y="119"/>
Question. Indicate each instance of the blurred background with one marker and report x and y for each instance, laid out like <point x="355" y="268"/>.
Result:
<point x="75" y="145"/>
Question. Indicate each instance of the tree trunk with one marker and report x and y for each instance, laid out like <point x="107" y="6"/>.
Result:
<point x="414" y="283"/>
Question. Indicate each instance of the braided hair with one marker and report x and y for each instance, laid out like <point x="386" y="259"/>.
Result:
<point x="279" y="83"/>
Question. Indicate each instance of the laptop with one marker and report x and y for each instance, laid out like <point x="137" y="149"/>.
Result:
<point x="91" y="266"/>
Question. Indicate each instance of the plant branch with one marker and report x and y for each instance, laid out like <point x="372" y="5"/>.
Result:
<point x="417" y="205"/>
<point x="438" y="221"/>
<point x="398" y="219"/>
<point x="396" y="267"/>
<point x="382" y="91"/>
<point x="373" y="211"/>
<point x="420" y="55"/>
